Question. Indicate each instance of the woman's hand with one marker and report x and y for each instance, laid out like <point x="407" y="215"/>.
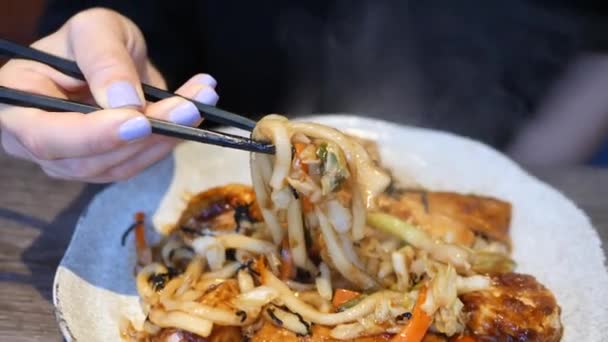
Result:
<point x="110" y="144"/>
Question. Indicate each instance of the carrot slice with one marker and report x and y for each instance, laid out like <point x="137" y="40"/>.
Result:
<point x="287" y="266"/>
<point x="420" y="322"/>
<point x="299" y="147"/>
<point x="306" y="204"/>
<point x="261" y="269"/>
<point x="464" y="339"/>
<point x="140" y="237"/>
<point x="342" y="296"/>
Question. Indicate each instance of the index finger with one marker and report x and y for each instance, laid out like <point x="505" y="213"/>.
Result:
<point x="109" y="49"/>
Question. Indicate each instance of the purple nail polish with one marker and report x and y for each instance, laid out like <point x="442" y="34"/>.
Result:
<point x="185" y="114"/>
<point x="135" y="128"/>
<point x="123" y="94"/>
<point x="207" y="96"/>
<point x="206" y="79"/>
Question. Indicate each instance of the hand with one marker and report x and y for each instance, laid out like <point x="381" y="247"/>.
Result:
<point x="107" y="145"/>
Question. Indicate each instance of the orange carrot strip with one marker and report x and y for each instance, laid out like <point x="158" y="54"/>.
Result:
<point x="261" y="269"/>
<point x="140" y="236"/>
<point x="420" y="322"/>
<point x="306" y="204"/>
<point x="299" y="147"/>
<point x="342" y="296"/>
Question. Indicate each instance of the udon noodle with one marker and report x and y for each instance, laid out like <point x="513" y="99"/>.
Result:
<point x="311" y="252"/>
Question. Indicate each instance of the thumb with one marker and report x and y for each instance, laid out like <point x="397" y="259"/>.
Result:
<point x="108" y="49"/>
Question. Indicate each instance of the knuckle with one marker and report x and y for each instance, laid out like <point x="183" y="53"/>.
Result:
<point x="28" y="81"/>
<point x="78" y="168"/>
<point x="122" y="173"/>
<point x="84" y="18"/>
<point x="206" y="79"/>
<point x="23" y="75"/>
<point x="107" y="63"/>
<point x="5" y="72"/>
<point x="101" y="144"/>
<point x="35" y="146"/>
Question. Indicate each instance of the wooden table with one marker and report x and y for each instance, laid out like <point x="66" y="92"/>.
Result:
<point x="38" y="214"/>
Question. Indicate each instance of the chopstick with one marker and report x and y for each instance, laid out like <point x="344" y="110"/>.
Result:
<point x="21" y="98"/>
<point x="214" y="114"/>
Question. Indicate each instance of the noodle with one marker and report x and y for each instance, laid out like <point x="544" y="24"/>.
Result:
<point x="297" y="286"/>
<point x="295" y="230"/>
<point x="144" y="287"/>
<point x="181" y="320"/>
<point x="214" y="314"/>
<point x="369" y="178"/>
<point x="224" y="273"/>
<point x="212" y="249"/>
<point x="313" y="298"/>
<point x="258" y="297"/>
<point x="239" y="241"/>
<point x="339" y="259"/>
<point x="273" y="225"/>
<point x="294" y="304"/>
<point x="245" y="281"/>
<point x="323" y="282"/>
<point x="288" y="320"/>
<point x="312" y="230"/>
<point x="276" y="129"/>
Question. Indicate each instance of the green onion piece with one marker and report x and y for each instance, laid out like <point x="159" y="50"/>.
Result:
<point x="489" y="262"/>
<point x="334" y="168"/>
<point x="395" y="226"/>
<point x="349" y="304"/>
<point x="322" y="152"/>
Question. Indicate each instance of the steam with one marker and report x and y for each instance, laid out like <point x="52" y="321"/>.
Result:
<point x="469" y="67"/>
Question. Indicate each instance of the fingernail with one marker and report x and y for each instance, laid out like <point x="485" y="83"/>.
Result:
<point x="123" y="94"/>
<point x="206" y="79"/>
<point x="207" y="96"/>
<point x="185" y="114"/>
<point x="134" y="129"/>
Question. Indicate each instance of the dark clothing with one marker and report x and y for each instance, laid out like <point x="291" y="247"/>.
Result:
<point x="469" y="67"/>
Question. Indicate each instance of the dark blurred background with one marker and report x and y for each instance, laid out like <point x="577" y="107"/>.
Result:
<point x="18" y="19"/>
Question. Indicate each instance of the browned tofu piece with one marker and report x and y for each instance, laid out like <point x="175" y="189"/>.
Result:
<point x="215" y="208"/>
<point x="219" y="334"/>
<point x="218" y="296"/>
<point x="176" y="335"/>
<point x="221" y="295"/>
<point x="225" y="334"/>
<point x="515" y="308"/>
<point x="452" y="217"/>
<point x="270" y="332"/>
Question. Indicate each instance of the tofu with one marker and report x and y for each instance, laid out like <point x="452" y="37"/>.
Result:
<point x="270" y="332"/>
<point x="451" y="217"/>
<point x="219" y="334"/>
<point x="515" y="308"/>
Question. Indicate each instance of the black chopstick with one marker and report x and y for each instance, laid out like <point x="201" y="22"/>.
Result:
<point x="214" y="114"/>
<point x="21" y="98"/>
